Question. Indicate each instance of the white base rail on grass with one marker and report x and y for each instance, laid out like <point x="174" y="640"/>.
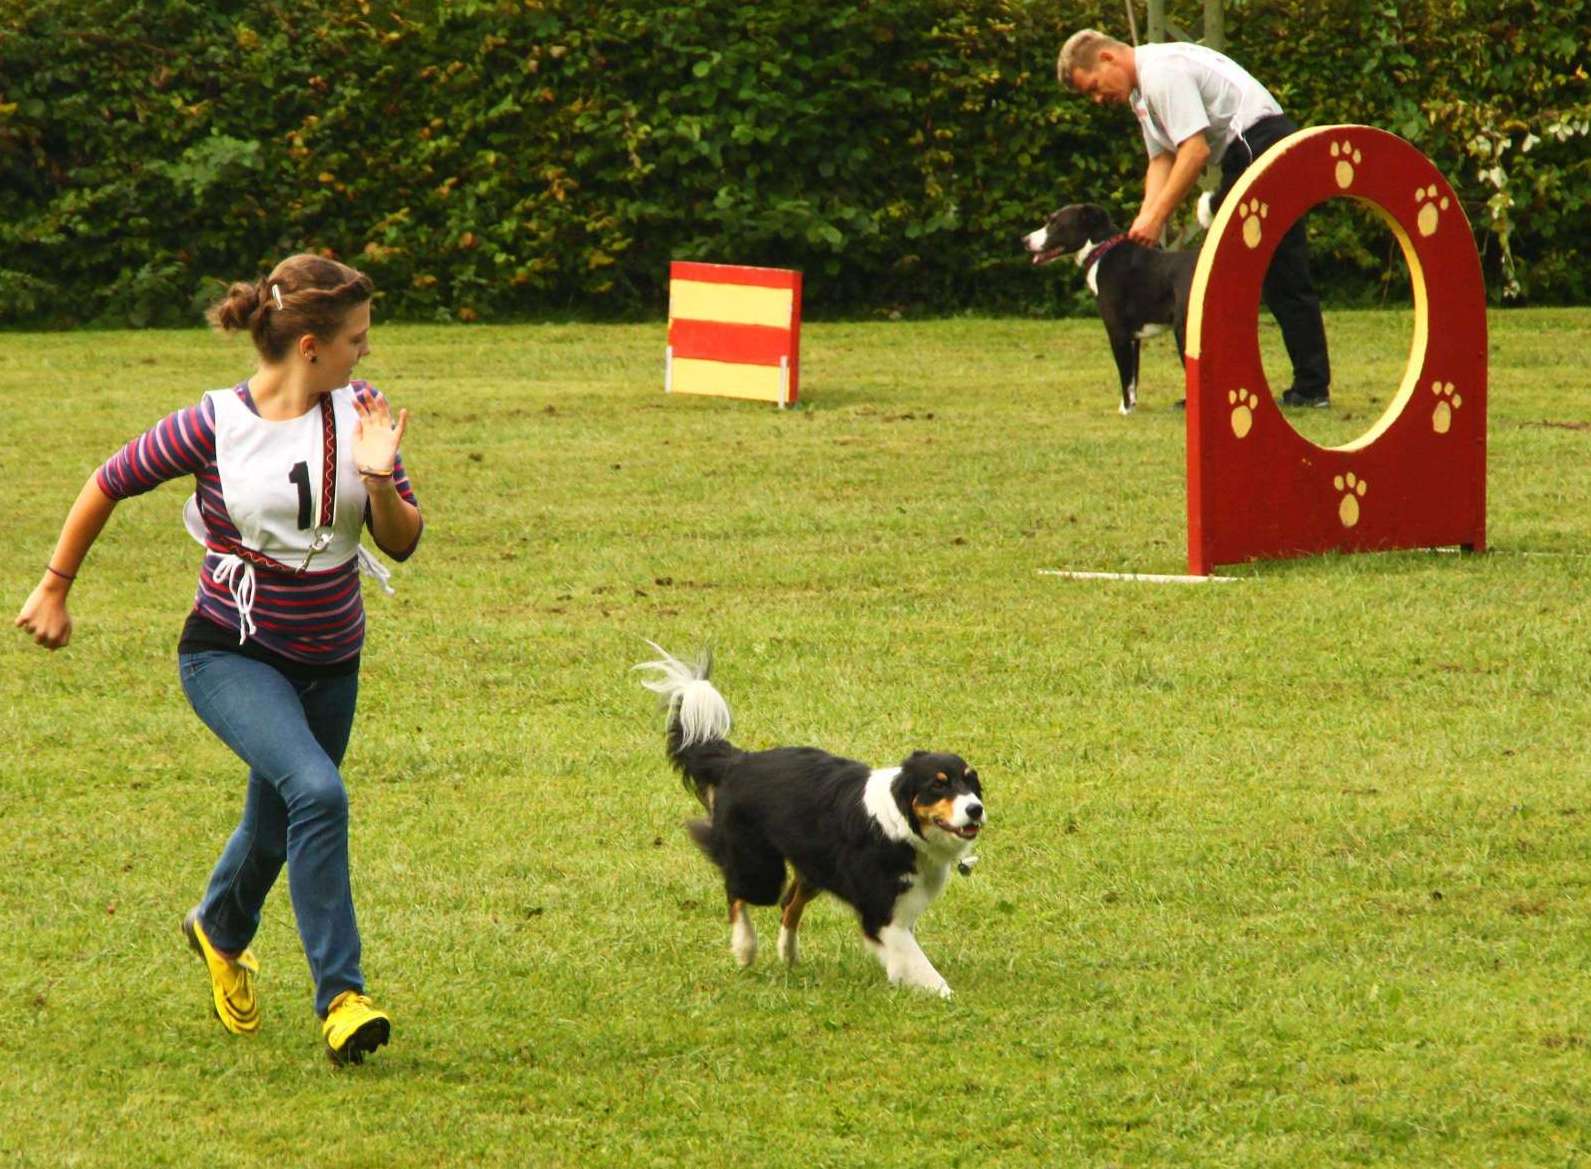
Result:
<point x="1139" y="577"/>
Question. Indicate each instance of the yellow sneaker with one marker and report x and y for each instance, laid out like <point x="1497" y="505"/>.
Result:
<point x="231" y="979"/>
<point x="353" y="1027"/>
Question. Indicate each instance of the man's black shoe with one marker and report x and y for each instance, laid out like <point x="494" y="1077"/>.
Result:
<point x="1311" y="401"/>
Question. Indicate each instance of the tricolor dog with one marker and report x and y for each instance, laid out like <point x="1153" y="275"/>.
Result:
<point x="788" y="824"/>
<point x="1140" y="290"/>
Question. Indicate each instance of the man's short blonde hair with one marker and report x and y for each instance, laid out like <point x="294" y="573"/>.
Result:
<point x="1081" y="51"/>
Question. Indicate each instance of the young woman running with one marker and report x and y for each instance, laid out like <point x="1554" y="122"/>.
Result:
<point x="289" y="467"/>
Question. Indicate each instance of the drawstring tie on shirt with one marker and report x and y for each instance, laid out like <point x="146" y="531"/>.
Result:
<point x="370" y="566"/>
<point x="237" y="575"/>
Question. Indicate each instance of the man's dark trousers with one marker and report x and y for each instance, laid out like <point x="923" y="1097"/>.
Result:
<point x="1288" y="291"/>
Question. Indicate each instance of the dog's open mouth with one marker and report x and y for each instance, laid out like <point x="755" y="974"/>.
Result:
<point x="1047" y="255"/>
<point x="966" y="831"/>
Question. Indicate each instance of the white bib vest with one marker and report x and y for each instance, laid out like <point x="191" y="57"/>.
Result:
<point x="272" y="480"/>
<point x="272" y="484"/>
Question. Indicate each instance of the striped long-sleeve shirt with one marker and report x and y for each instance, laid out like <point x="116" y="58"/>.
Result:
<point x="315" y="619"/>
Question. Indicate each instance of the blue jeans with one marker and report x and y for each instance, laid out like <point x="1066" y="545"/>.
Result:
<point x="292" y="734"/>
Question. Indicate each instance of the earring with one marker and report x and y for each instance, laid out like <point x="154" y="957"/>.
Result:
<point x="313" y="359"/>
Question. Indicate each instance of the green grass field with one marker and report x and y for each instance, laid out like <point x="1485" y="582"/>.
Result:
<point x="1290" y="872"/>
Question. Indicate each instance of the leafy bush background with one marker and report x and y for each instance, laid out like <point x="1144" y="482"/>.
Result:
<point x="495" y="160"/>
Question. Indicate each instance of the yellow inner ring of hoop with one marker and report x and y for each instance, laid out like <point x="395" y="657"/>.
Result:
<point x="1218" y="232"/>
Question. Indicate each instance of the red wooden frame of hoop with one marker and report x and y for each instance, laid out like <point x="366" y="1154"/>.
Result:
<point x="1417" y="478"/>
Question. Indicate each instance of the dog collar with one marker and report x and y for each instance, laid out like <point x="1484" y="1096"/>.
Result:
<point x="1099" y="251"/>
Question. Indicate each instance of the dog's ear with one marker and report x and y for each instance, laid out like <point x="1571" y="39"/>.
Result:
<point x="904" y="790"/>
<point x="1098" y="221"/>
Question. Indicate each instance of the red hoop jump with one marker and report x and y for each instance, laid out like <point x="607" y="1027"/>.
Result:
<point x="1417" y="478"/>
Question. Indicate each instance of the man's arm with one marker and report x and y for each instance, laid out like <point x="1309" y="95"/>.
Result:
<point x="1166" y="183"/>
<point x="1155" y="177"/>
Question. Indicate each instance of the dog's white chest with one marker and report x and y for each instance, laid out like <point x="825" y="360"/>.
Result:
<point x="1091" y="271"/>
<point x="926" y="885"/>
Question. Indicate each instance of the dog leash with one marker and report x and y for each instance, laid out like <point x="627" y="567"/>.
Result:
<point x="1100" y="250"/>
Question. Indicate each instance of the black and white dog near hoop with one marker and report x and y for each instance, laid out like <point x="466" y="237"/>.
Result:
<point x="787" y="824"/>
<point x="1141" y="291"/>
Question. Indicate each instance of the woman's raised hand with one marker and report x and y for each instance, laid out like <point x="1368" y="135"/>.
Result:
<point x="376" y="436"/>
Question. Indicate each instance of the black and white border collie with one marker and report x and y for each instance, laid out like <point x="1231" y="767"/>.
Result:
<point x="883" y="840"/>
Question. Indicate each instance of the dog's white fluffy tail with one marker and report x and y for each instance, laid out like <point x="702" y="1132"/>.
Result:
<point x="694" y="704"/>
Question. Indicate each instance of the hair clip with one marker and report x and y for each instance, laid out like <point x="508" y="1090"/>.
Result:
<point x="276" y="294"/>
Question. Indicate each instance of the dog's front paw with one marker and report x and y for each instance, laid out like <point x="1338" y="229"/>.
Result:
<point x="743" y="939"/>
<point x="789" y="949"/>
<point x="929" y="980"/>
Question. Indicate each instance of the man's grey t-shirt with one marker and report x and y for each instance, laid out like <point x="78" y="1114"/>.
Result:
<point x="1186" y="89"/>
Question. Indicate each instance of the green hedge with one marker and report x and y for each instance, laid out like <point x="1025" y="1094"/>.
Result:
<point x="494" y="160"/>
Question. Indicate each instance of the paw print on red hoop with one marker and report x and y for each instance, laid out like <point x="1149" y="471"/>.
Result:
<point x="1243" y="404"/>
<point x="1252" y="213"/>
<point x="1431" y="205"/>
<point x="1352" y="489"/>
<point x="1448" y="401"/>
<point x="1348" y="158"/>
